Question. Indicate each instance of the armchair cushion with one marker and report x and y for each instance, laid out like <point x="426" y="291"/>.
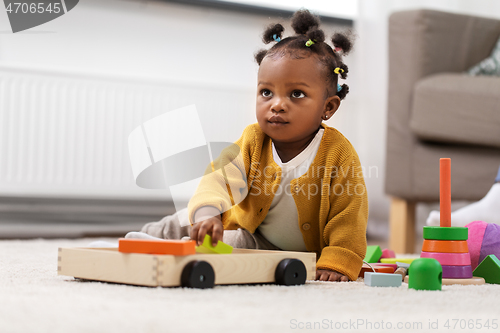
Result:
<point x="457" y="108"/>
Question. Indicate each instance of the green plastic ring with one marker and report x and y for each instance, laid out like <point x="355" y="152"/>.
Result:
<point x="446" y="233"/>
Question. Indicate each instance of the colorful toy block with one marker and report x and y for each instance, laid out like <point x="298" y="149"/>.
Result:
<point x="382" y="280"/>
<point x="378" y="268"/>
<point x="457" y="272"/>
<point x="151" y="246"/>
<point x="393" y="266"/>
<point x="386" y="253"/>
<point x="402" y="269"/>
<point x="425" y="274"/>
<point x="220" y="248"/>
<point x="446" y="233"/>
<point x="243" y="266"/>
<point x="430" y="245"/>
<point x="373" y="254"/>
<point x="489" y="269"/>
<point x="396" y="260"/>
<point x="453" y="259"/>
<point x="444" y="192"/>
<point x="446" y="244"/>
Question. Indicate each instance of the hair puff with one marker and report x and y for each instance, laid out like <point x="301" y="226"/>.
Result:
<point x="303" y="21"/>
<point x="343" y="92"/>
<point x="271" y="31"/>
<point x="316" y="35"/>
<point x="260" y="55"/>
<point x="343" y="74"/>
<point x="342" y="41"/>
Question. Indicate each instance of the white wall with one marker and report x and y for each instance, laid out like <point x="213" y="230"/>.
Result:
<point x="150" y="41"/>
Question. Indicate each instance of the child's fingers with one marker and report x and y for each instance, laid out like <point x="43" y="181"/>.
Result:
<point x="194" y="231"/>
<point x="334" y="277"/>
<point x="323" y="275"/>
<point x="326" y="275"/>
<point x="217" y="233"/>
<point x="202" y="231"/>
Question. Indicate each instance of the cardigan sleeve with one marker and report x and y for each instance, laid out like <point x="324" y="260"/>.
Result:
<point x="224" y="183"/>
<point x="345" y="231"/>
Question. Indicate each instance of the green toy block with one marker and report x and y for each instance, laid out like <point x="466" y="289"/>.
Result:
<point x="425" y="274"/>
<point x="489" y="269"/>
<point x="220" y="248"/>
<point x="446" y="233"/>
<point x="373" y="253"/>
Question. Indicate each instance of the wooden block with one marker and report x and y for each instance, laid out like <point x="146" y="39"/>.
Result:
<point x="476" y="280"/>
<point x="445" y="192"/>
<point x="386" y="253"/>
<point x="431" y="245"/>
<point x="448" y="233"/>
<point x="378" y="268"/>
<point x="449" y="259"/>
<point x="373" y="254"/>
<point x="395" y="260"/>
<point x="152" y="246"/>
<point x="489" y="269"/>
<point x="242" y="266"/>
<point x="382" y="280"/>
<point x="220" y="248"/>
<point x="381" y="264"/>
<point x="457" y="272"/>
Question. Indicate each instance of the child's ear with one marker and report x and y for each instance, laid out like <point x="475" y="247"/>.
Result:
<point x="332" y="104"/>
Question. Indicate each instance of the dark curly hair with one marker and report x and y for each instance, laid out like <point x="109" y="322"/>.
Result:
<point x="306" y="27"/>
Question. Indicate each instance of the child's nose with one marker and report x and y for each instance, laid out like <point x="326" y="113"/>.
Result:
<point x="278" y="105"/>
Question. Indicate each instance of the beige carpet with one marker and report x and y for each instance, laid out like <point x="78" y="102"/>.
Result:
<point x="35" y="299"/>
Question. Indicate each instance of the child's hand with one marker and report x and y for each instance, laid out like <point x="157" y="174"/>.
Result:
<point x="327" y="275"/>
<point x="212" y="226"/>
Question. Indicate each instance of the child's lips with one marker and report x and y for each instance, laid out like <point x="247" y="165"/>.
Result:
<point x="277" y="121"/>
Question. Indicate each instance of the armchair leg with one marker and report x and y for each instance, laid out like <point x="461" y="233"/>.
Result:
<point x="402" y="226"/>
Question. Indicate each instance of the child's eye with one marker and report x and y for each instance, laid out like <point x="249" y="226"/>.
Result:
<point x="266" y="93"/>
<point x="298" y="94"/>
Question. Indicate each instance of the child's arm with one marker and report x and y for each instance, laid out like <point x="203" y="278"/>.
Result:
<point x="225" y="181"/>
<point x="345" y="230"/>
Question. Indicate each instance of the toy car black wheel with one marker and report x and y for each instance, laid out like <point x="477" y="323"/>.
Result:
<point x="198" y="274"/>
<point x="290" y="272"/>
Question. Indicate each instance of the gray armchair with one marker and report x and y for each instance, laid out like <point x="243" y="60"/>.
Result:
<point x="435" y="110"/>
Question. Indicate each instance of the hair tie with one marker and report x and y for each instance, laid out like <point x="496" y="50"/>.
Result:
<point x="339" y="87"/>
<point x="309" y="43"/>
<point x="338" y="70"/>
<point x="276" y="38"/>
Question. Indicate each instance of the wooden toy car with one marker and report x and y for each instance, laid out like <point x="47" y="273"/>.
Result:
<point x="196" y="270"/>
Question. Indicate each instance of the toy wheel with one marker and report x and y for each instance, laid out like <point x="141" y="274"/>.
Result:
<point x="290" y="272"/>
<point x="198" y="274"/>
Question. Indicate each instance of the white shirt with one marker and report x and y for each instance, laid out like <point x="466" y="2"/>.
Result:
<point x="281" y="224"/>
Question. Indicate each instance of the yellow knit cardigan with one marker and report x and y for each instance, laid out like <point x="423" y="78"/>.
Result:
<point x="331" y="197"/>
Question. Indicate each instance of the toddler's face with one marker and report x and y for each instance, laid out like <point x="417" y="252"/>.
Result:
<point x="292" y="98"/>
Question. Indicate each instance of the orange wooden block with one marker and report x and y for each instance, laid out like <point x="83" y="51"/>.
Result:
<point x="445" y="192"/>
<point x="378" y="269"/>
<point x="445" y="246"/>
<point x="151" y="246"/>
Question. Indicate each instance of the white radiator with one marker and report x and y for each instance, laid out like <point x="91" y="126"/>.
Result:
<point x="65" y="135"/>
